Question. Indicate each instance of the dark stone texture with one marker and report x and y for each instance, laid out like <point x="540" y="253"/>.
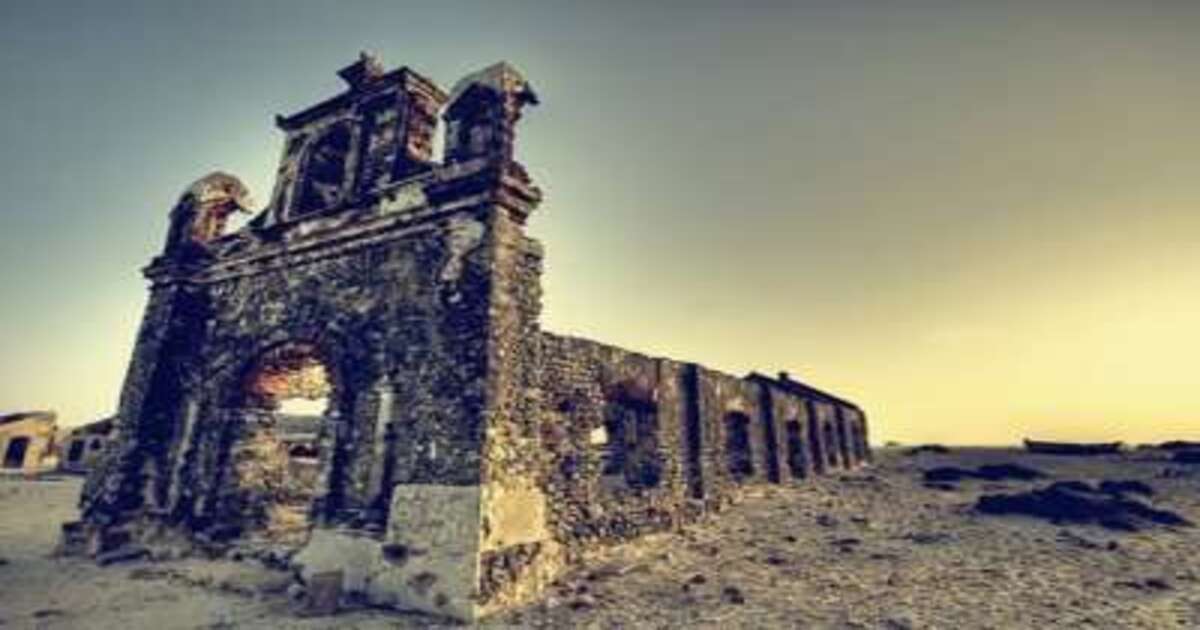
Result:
<point x="411" y="285"/>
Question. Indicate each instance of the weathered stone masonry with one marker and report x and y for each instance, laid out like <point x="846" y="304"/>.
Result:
<point x="465" y="456"/>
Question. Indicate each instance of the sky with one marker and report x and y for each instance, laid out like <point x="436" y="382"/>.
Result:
<point x="979" y="222"/>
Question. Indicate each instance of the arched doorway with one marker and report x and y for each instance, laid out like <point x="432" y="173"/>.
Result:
<point x="276" y="460"/>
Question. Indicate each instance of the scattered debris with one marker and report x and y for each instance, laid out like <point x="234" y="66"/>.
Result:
<point x="989" y="472"/>
<point x="1186" y="457"/>
<point x="1077" y="502"/>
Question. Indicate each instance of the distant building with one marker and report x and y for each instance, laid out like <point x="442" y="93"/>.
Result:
<point x="80" y="448"/>
<point x="27" y="441"/>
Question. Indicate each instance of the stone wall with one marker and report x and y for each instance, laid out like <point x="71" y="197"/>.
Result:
<point x="697" y="435"/>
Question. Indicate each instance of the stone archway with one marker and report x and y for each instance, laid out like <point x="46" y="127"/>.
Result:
<point x="275" y="463"/>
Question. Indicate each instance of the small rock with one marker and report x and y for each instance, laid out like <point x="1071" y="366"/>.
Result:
<point x="582" y="602"/>
<point x="825" y="520"/>
<point x="697" y="579"/>
<point x="733" y="595"/>
<point x="295" y="592"/>
<point x="324" y="593"/>
<point x="1157" y="584"/>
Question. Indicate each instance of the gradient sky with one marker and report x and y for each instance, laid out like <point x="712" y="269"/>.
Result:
<point x="979" y="222"/>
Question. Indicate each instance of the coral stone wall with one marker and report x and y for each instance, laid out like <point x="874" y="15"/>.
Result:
<point x="705" y="434"/>
<point x="465" y="456"/>
<point x="584" y="383"/>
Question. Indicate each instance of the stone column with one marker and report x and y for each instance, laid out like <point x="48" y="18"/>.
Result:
<point x="184" y="450"/>
<point x="379" y="493"/>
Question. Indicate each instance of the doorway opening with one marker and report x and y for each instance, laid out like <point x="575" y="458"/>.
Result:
<point x="277" y="460"/>
<point x="14" y="455"/>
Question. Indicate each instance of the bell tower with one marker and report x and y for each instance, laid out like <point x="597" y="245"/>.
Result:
<point x="342" y="151"/>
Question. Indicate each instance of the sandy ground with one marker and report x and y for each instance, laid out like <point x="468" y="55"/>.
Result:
<point x="871" y="549"/>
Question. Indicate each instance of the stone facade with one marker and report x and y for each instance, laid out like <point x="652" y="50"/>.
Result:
<point x="464" y="456"/>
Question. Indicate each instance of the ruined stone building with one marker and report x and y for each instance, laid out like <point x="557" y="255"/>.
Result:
<point x="463" y="456"/>
<point x="81" y="448"/>
<point x="27" y="441"/>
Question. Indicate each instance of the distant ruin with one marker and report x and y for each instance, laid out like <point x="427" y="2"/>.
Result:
<point x="82" y="448"/>
<point x="462" y="456"/>
<point x="27" y="443"/>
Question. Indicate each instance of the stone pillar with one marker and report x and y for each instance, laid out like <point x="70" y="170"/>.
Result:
<point x="329" y="440"/>
<point x="184" y="452"/>
<point x="378" y="486"/>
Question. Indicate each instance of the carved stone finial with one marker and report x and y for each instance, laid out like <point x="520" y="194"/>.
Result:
<point x="483" y="111"/>
<point x="204" y="208"/>
<point x="366" y="69"/>
<point x="500" y="77"/>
